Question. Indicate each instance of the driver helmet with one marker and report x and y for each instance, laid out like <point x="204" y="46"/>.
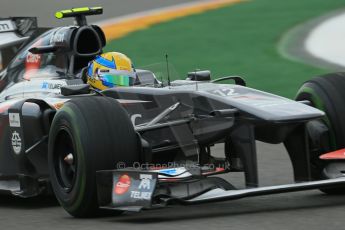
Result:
<point x="109" y="70"/>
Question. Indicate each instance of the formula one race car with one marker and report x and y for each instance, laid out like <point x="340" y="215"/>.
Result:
<point x="149" y="145"/>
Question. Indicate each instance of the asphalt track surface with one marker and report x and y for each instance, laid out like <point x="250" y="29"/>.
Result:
<point x="301" y="210"/>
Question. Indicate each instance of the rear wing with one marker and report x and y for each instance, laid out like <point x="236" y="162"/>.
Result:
<point x="13" y="33"/>
<point x="16" y="30"/>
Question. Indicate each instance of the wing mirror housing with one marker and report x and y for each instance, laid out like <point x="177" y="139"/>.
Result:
<point x="204" y="75"/>
<point x="43" y="49"/>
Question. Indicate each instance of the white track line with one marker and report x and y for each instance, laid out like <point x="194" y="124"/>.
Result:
<point x="327" y="40"/>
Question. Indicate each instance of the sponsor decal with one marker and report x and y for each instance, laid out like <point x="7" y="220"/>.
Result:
<point x="33" y="58"/>
<point x="50" y="85"/>
<point x="171" y="172"/>
<point x="145" y="184"/>
<point x="133" y="188"/>
<point x="134" y="117"/>
<point x="122" y="185"/>
<point x="56" y="102"/>
<point x="224" y="92"/>
<point x="6" y="26"/>
<point x="57" y="38"/>
<point x="16" y="142"/>
<point x="141" y="195"/>
<point x="58" y="105"/>
<point x="32" y="62"/>
<point x="14" y="119"/>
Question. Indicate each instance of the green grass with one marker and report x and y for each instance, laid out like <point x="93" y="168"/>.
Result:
<point x="237" y="40"/>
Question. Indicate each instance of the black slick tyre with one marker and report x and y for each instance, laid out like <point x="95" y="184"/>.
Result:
<point x="327" y="93"/>
<point x="88" y="134"/>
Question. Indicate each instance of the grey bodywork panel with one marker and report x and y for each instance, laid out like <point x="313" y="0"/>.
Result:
<point x="259" y="104"/>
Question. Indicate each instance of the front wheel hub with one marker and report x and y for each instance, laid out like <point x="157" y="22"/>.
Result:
<point x="65" y="160"/>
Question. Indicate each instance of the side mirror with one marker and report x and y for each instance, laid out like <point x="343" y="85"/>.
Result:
<point x="204" y="75"/>
<point x="43" y="49"/>
<point x="69" y="90"/>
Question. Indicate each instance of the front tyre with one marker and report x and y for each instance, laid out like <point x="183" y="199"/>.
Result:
<point x="327" y="93"/>
<point x="88" y="134"/>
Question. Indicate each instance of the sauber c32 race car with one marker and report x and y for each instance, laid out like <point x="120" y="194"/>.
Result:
<point x="149" y="145"/>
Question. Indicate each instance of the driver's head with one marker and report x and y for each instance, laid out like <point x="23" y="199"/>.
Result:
<point x="110" y="70"/>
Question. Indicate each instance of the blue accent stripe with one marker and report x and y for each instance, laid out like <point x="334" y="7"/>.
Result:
<point x="105" y="62"/>
<point x="90" y="70"/>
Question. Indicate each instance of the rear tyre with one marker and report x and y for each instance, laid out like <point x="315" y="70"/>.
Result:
<point x="88" y="134"/>
<point x="327" y="93"/>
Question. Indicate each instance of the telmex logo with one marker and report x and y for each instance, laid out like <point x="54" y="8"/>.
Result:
<point x="4" y="27"/>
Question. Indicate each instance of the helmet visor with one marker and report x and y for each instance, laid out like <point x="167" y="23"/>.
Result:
<point x="117" y="78"/>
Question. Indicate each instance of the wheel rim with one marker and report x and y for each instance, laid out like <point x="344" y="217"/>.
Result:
<point x="65" y="160"/>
